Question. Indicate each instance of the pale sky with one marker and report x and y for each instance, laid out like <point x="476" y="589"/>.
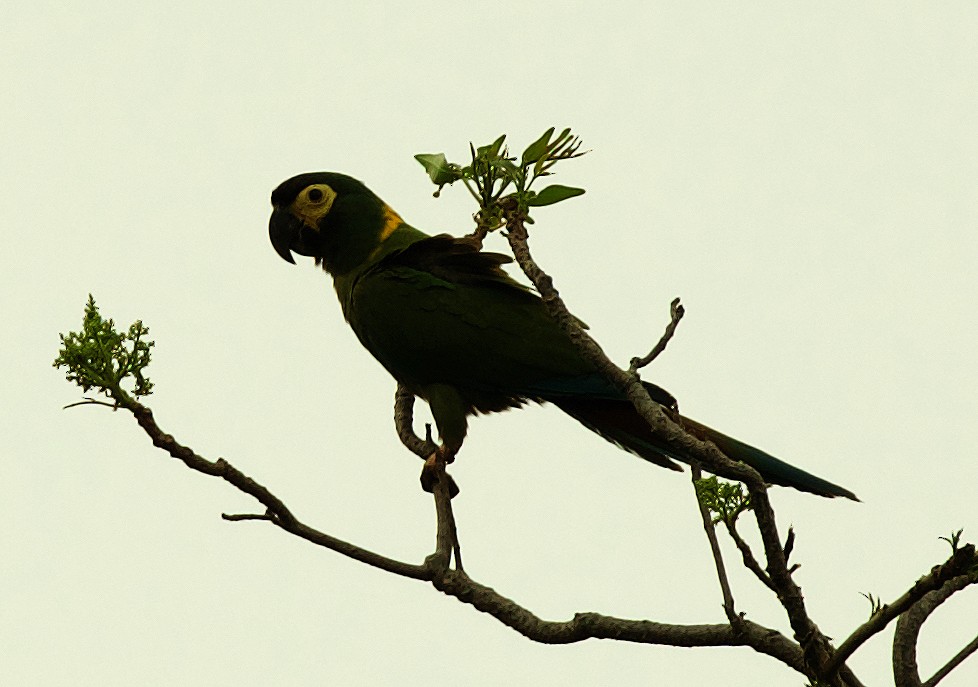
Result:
<point x="803" y="177"/>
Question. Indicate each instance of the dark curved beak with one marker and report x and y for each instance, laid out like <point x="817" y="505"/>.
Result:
<point x="283" y="230"/>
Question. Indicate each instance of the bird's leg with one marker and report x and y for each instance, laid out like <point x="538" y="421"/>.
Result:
<point x="434" y="468"/>
<point x="448" y="410"/>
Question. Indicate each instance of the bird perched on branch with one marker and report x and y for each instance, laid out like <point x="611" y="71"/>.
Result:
<point x="454" y="329"/>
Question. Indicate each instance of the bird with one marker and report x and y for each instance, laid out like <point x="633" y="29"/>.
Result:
<point x="453" y="328"/>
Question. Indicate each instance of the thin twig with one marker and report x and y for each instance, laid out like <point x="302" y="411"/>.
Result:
<point x="91" y="402"/>
<point x="748" y="557"/>
<point x="276" y="510"/>
<point x="968" y="650"/>
<point x="711" y="535"/>
<point x="676" y="312"/>
<point x="238" y="517"/>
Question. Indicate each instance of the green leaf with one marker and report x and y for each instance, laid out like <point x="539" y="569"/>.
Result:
<point x="492" y="150"/>
<point x="537" y="149"/>
<point x="507" y="165"/>
<point x="438" y="167"/>
<point x="562" y="139"/>
<point x="554" y="194"/>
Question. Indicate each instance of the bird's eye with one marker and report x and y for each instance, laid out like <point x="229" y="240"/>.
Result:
<point x="315" y="194"/>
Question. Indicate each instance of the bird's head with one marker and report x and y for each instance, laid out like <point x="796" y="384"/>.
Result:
<point x="331" y="217"/>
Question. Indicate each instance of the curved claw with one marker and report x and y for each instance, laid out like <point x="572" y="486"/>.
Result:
<point x="434" y="468"/>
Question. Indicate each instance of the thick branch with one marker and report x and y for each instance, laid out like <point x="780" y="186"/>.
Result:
<point x="818" y="650"/>
<point x="905" y="671"/>
<point x="958" y="564"/>
<point x="593" y="625"/>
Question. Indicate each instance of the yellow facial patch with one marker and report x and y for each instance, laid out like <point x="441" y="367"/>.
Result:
<point x="313" y="203"/>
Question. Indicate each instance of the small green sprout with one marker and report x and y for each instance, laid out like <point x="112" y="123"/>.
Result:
<point x="875" y="603"/>
<point x="725" y="500"/>
<point x="102" y="358"/>
<point x="492" y="172"/>
<point x="954" y="540"/>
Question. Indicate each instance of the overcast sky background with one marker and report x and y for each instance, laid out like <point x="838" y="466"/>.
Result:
<point x="803" y="177"/>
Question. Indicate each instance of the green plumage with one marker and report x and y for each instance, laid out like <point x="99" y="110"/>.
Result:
<point x="452" y="327"/>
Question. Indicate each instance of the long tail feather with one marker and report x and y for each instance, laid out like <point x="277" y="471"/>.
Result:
<point x="617" y="421"/>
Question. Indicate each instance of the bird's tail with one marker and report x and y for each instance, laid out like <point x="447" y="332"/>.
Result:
<point x="617" y="421"/>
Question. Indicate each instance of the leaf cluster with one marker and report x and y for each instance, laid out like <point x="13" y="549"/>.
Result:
<point x="501" y="183"/>
<point x="101" y="357"/>
<point x="725" y="500"/>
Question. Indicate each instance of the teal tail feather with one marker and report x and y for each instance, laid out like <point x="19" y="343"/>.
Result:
<point x="617" y="421"/>
<point x="773" y="470"/>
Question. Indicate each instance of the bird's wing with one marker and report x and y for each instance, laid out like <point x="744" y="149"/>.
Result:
<point x="441" y="311"/>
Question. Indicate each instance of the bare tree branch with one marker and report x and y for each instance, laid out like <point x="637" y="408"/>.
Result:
<point x="748" y="556"/>
<point x="710" y="457"/>
<point x="676" y="312"/>
<point x="958" y="564"/>
<point x="446" y="537"/>
<point x="815" y="644"/>
<point x="905" y="671"/>
<point x="593" y="625"/>
<point x="277" y="512"/>
<point x="454" y="582"/>
<point x="728" y="601"/>
<point x="969" y="649"/>
<point x="404" y="422"/>
<point x="102" y="358"/>
<point x="425" y="448"/>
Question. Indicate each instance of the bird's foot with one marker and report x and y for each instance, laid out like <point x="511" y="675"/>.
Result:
<point x="434" y="469"/>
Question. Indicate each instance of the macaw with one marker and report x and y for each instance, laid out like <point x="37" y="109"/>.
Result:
<point x="451" y="326"/>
